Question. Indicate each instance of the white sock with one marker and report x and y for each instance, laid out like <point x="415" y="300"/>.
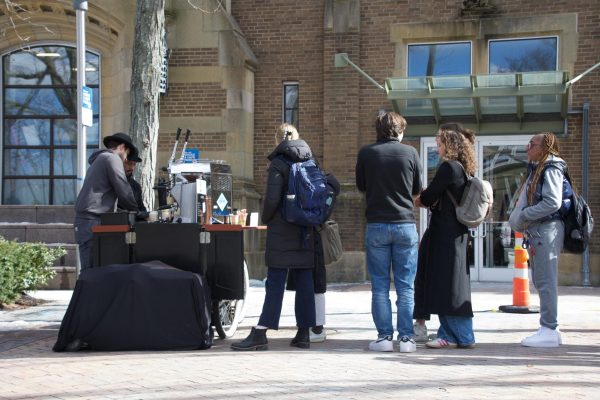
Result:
<point x="320" y="309"/>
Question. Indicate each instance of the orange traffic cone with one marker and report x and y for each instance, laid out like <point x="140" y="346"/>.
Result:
<point x="521" y="297"/>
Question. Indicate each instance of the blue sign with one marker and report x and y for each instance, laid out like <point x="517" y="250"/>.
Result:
<point x="86" y="106"/>
<point x="191" y="155"/>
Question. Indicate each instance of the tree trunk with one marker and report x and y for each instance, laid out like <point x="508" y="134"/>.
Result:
<point x="148" y="50"/>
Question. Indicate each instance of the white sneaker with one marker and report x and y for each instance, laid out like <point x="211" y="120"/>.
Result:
<point x="407" y="345"/>
<point x="559" y="333"/>
<point x="318" y="337"/>
<point x="544" y="337"/>
<point x="382" y="344"/>
<point x="420" y="333"/>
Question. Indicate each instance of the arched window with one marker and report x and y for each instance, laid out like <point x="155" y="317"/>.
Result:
<point x="39" y="123"/>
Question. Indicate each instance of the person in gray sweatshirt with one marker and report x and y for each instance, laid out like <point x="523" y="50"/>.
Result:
<point x="538" y="215"/>
<point x="105" y="183"/>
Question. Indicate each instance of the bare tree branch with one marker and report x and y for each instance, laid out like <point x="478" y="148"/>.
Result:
<point x="17" y="15"/>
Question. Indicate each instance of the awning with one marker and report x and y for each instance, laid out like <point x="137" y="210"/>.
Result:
<point x="512" y="103"/>
<point x="497" y="104"/>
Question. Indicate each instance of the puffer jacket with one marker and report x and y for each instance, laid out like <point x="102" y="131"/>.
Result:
<point x="288" y="245"/>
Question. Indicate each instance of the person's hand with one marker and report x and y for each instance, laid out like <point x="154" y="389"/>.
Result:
<point x="418" y="202"/>
<point x="142" y="216"/>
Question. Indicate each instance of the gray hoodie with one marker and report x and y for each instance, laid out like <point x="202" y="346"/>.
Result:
<point x="526" y="216"/>
<point x="104" y="183"/>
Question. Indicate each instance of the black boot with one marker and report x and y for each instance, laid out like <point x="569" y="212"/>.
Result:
<point x="302" y="339"/>
<point x="256" y="340"/>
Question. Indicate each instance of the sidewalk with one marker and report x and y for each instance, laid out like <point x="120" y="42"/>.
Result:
<point x="340" y="368"/>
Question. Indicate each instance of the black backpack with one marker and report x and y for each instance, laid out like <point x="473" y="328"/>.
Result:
<point x="578" y="223"/>
<point x="578" y="219"/>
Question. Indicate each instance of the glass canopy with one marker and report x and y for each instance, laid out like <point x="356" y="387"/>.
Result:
<point x="522" y="102"/>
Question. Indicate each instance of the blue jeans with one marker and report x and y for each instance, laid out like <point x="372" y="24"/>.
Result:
<point x="85" y="240"/>
<point x="392" y="247"/>
<point x="304" y="305"/>
<point x="456" y="329"/>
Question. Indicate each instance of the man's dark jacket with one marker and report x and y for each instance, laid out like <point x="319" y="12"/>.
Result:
<point x="390" y="174"/>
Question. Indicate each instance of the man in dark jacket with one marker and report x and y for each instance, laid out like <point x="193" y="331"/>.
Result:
<point x="129" y="164"/>
<point x="289" y="247"/>
<point x="389" y="172"/>
<point x="104" y="183"/>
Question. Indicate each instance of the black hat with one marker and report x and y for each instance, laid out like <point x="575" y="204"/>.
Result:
<point x="120" y="137"/>
<point x="134" y="156"/>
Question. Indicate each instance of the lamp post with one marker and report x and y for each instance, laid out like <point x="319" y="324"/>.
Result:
<point x="80" y="7"/>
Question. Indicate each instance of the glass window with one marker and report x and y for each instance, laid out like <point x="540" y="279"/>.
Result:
<point x="64" y="191"/>
<point x="290" y="104"/>
<point x="25" y="101"/>
<point x="27" y="132"/>
<point x="439" y="59"/>
<point x="523" y="55"/>
<point x="39" y="112"/>
<point x="26" y="162"/>
<point x="48" y="66"/>
<point x="25" y="191"/>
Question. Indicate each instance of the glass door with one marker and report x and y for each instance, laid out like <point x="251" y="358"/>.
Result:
<point x="502" y="161"/>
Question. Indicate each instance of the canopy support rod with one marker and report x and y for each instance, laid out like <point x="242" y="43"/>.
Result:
<point x="578" y="77"/>
<point x="341" y="60"/>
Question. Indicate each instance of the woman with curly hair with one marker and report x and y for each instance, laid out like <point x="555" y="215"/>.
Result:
<point x="442" y="285"/>
<point x="538" y="215"/>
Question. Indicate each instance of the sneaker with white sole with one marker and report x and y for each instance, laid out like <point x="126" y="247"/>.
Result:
<point x="559" y="333"/>
<point x="318" y="337"/>
<point x="420" y="333"/>
<point x="440" y="343"/>
<point x="382" y="344"/>
<point x="544" y="337"/>
<point x="407" y="345"/>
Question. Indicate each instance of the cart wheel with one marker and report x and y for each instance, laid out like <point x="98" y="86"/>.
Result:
<point x="229" y="313"/>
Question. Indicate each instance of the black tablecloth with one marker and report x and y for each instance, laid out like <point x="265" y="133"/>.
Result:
<point x="149" y="306"/>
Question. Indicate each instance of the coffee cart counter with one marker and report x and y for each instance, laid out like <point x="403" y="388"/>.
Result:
<point x="216" y="251"/>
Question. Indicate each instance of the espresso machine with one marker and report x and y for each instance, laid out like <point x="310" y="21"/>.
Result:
<point x="202" y="190"/>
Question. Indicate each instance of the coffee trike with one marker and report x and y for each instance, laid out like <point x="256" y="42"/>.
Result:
<point x="195" y="229"/>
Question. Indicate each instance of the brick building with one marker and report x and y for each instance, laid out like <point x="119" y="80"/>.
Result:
<point x="237" y="70"/>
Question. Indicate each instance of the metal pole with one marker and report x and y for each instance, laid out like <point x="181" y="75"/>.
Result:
<point x="341" y="60"/>
<point x="80" y="7"/>
<point x="585" y="142"/>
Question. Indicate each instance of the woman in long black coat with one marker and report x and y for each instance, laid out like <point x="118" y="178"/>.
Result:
<point x="289" y="247"/>
<point x="442" y="285"/>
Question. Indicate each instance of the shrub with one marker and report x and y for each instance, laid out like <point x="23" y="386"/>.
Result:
<point x="24" y="266"/>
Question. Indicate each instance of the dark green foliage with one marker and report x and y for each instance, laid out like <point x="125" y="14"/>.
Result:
<point x="24" y="266"/>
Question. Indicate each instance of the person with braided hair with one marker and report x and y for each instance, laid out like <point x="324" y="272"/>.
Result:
<point x="538" y="215"/>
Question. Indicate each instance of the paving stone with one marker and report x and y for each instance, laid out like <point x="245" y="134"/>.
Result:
<point x="339" y="368"/>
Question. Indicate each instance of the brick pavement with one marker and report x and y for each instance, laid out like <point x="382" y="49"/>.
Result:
<point x="339" y="368"/>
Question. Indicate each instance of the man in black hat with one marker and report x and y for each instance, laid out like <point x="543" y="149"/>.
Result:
<point x="104" y="183"/>
<point x="129" y="164"/>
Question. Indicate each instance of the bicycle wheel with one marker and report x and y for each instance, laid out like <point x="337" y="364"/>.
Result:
<point x="227" y="314"/>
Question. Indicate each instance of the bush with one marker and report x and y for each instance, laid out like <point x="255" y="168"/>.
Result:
<point x="24" y="266"/>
